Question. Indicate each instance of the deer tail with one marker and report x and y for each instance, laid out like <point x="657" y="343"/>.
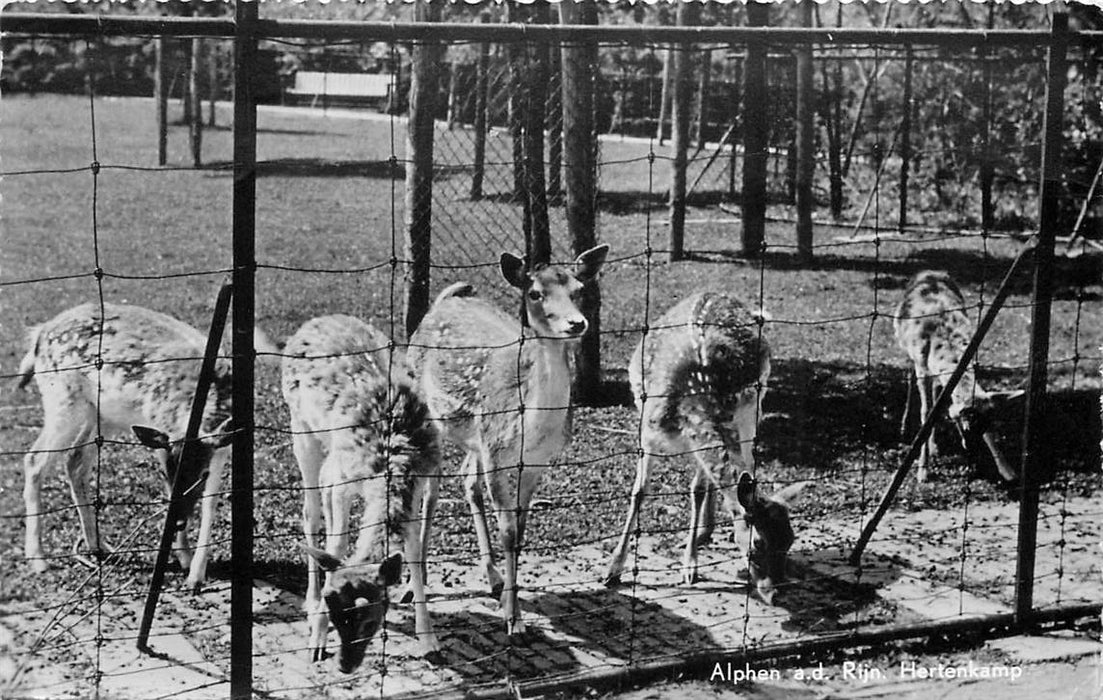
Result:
<point x="458" y="289"/>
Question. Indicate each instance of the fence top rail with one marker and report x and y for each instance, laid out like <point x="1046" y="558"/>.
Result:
<point x="108" y="25"/>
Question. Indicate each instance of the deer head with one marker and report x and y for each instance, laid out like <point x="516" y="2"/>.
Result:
<point x="771" y="534"/>
<point x="974" y="425"/>
<point x="356" y="597"/>
<point x="550" y="291"/>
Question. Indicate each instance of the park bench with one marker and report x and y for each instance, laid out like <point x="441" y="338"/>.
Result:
<point x="346" y="88"/>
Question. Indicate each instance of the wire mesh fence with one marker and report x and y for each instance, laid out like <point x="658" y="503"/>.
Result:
<point x="332" y="215"/>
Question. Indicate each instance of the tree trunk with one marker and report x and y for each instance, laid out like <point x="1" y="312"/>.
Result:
<point x="160" y="98"/>
<point x="481" y="84"/>
<point x="805" y="125"/>
<point x="755" y="137"/>
<point x="195" y="102"/>
<point x="682" y="97"/>
<point x="426" y="58"/>
<point x="580" y="63"/>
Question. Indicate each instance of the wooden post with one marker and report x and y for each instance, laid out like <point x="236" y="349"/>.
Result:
<point x="805" y="126"/>
<point x="161" y="98"/>
<point x="195" y="102"/>
<point x="482" y="71"/>
<point x="419" y="171"/>
<point x="681" y="106"/>
<point x="1035" y="450"/>
<point x="905" y="137"/>
<point x="755" y="136"/>
<point x="244" y="352"/>
<point x="580" y="63"/>
<point x="539" y="245"/>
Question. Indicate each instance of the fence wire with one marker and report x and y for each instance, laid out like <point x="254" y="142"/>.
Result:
<point x="332" y="208"/>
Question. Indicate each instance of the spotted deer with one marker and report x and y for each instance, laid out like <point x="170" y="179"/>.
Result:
<point x="502" y="393"/>
<point x="359" y="430"/>
<point x="933" y="327"/>
<point x="699" y="377"/>
<point x="147" y="381"/>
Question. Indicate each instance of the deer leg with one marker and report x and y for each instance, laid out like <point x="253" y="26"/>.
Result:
<point x="197" y="572"/>
<point x="308" y="454"/>
<point x="700" y="491"/>
<point x="181" y="548"/>
<point x="639" y="492"/>
<point x="56" y="437"/>
<point x="473" y="490"/>
<point x="79" y="467"/>
<point x="924" y="384"/>
<point x="712" y="462"/>
<point x="907" y="406"/>
<point x="415" y="560"/>
<point x="428" y="509"/>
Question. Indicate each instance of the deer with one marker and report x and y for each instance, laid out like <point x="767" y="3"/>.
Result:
<point x="501" y="391"/>
<point x="124" y="367"/>
<point x="932" y="327"/>
<point x="360" y="429"/>
<point x="699" y="377"/>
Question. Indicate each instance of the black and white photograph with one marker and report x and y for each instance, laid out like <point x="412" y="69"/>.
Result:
<point x="620" y="349"/>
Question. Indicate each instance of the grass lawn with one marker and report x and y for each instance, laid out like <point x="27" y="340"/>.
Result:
<point x="329" y="221"/>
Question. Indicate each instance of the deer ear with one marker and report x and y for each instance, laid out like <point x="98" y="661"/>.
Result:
<point x="327" y="561"/>
<point x="513" y="270"/>
<point x="223" y="435"/>
<point x="589" y="263"/>
<point x="746" y="491"/>
<point x="786" y="494"/>
<point x="151" y="437"/>
<point x="390" y="571"/>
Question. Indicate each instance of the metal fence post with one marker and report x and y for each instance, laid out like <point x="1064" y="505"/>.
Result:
<point x="244" y="356"/>
<point x="1034" y="449"/>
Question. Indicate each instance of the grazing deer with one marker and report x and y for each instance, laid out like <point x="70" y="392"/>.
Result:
<point x="503" y="394"/>
<point x="699" y="377"/>
<point x="147" y="382"/>
<point x="359" y="429"/>
<point x="933" y="328"/>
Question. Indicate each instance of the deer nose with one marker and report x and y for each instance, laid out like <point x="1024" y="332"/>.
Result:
<point x="577" y="327"/>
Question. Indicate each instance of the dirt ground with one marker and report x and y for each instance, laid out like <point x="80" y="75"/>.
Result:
<point x="579" y="625"/>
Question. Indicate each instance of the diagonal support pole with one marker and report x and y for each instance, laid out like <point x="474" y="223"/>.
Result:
<point x="187" y="460"/>
<point x="941" y="402"/>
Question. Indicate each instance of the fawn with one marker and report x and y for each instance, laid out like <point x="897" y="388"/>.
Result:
<point x="148" y="377"/>
<point x="699" y="377"/>
<point x="502" y="393"/>
<point x="933" y="328"/>
<point x="359" y="429"/>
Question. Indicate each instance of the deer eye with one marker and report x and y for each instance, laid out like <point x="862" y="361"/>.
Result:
<point x="535" y="295"/>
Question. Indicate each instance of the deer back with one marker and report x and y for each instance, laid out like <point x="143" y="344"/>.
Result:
<point x="698" y="360"/>
<point x="151" y="365"/>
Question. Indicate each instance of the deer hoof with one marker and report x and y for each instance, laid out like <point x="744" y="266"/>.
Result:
<point x="318" y="654"/>
<point x="613" y="581"/>
<point x="407" y="597"/>
<point x="496" y="590"/>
